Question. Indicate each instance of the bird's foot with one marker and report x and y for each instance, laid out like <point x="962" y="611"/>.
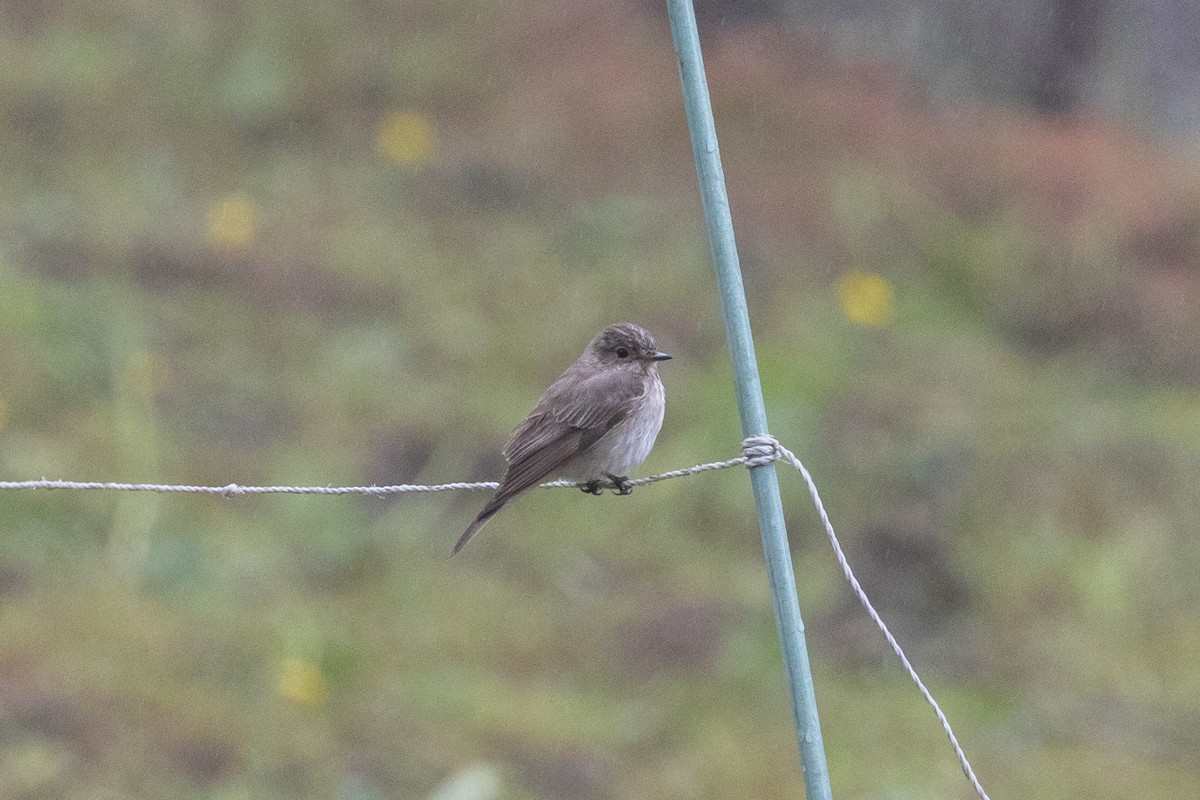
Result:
<point x="621" y="482"/>
<point x="593" y="487"/>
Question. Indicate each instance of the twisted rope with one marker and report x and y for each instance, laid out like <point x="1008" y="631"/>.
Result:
<point x="752" y="458"/>
<point x="757" y="451"/>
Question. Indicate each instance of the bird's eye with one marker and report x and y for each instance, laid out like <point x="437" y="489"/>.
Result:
<point x="622" y="352"/>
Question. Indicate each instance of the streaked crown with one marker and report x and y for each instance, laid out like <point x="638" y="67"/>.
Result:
<point x="624" y="341"/>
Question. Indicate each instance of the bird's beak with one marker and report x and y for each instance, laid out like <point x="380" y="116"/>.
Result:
<point x="659" y="356"/>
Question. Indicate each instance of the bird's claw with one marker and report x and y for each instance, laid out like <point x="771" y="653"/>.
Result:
<point x="620" y="483"/>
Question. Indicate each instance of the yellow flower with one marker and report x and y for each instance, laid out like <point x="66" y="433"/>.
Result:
<point x="301" y="682"/>
<point x="232" y="222"/>
<point x="405" y="137"/>
<point x="866" y="298"/>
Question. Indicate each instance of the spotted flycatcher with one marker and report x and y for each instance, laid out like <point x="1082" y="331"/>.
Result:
<point x="597" y="421"/>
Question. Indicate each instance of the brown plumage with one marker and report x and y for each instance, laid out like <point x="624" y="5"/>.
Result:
<point x="598" y="420"/>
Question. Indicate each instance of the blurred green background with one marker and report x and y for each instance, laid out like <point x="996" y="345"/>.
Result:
<point x="348" y="243"/>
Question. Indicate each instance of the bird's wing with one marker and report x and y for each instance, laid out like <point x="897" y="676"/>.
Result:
<point x="537" y="465"/>
<point x="591" y="406"/>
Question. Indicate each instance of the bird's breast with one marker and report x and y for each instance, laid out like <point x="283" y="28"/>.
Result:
<point x="629" y="442"/>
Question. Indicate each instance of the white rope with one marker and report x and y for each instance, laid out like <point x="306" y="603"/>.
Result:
<point x="237" y="490"/>
<point x="757" y="451"/>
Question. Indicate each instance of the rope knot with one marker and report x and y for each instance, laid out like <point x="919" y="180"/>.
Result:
<point x="759" y="451"/>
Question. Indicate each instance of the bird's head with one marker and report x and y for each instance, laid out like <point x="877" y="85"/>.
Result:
<point x="626" y="343"/>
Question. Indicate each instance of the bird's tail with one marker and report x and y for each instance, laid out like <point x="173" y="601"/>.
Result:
<point x="474" y="527"/>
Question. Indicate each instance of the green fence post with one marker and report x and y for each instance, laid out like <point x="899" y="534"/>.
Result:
<point x="749" y="395"/>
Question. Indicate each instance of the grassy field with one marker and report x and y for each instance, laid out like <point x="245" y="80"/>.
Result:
<point x="314" y="243"/>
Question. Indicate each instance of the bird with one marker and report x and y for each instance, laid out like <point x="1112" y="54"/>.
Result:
<point x="597" y="421"/>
